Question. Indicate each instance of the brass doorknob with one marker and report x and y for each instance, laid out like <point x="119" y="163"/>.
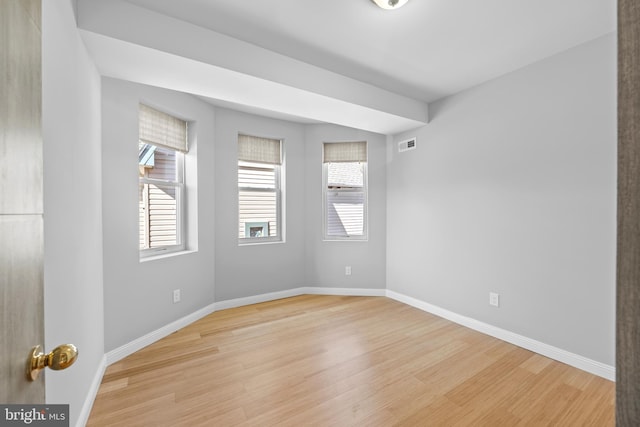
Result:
<point x="61" y="357"/>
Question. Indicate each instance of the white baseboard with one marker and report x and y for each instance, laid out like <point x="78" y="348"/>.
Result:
<point x="306" y="290"/>
<point x="255" y="299"/>
<point x="123" y="351"/>
<point x="572" y="359"/>
<point x="354" y="292"/>
<point x="83" y="417"/>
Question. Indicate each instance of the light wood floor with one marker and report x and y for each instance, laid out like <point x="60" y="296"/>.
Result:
<point x="343" y="361"/>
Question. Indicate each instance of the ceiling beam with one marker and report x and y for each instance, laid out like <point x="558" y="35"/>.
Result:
<point x="132" y="43"/>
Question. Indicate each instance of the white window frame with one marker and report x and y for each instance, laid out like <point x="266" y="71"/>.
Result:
<point x="326" y="191"/>
<point x="180" y="209"/>
<point x="180" y="148"/>
<point x="278" y="190"/>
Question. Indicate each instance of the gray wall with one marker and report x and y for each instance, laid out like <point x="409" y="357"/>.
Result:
<point x="512" y="189"/>
<point x="248" y="270"/>
<point x="304" y="259"/>
<point x="237" y="271"/>
<point x="138" y="295"/>
<point x="72" y="205"/>
<point x="326" y="260"/>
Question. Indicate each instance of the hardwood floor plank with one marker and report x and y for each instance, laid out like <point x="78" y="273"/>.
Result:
<point x="343" y="361"/>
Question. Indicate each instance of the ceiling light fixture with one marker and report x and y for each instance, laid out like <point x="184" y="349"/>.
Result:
<point x="390" y="4"/>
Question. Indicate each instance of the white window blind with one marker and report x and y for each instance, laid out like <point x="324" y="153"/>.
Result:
<point x="335" y="152"/>
<point x="161" y="129"/>
<point x="259" y="150"/>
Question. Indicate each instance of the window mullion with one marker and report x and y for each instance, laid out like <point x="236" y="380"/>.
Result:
<point x="155" y="181"/>
<point x="257" y="189"/>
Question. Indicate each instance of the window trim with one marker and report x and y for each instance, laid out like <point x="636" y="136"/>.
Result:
<point x="269" y="157"/>
<point x="365" y="212"/>
<point x="345" y="152"/>
<point x="278" y="193"/>
<point x="176" y="141"/>
<point x="180" y="215"/>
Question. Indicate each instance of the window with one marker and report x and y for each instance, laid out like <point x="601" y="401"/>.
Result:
<point x="259" y="193"/>
<point x="344" y="172"/>
<point x="161" y="149"/>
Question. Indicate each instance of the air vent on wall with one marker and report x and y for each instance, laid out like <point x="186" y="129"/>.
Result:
<point x="407" y="144"/>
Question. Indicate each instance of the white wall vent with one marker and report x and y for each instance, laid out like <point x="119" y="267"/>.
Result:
<point x="407" y="144"/>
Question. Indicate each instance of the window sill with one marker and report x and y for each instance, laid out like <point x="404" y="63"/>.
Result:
<point x="258" y="243"/>
<point x="346" y="239"/>
<point x="163" y="255"/>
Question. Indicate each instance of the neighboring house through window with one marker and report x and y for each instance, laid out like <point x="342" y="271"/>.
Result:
<point x="161" y="148"/>
<point x="259" y="189"/>
<point x="344" y="174"/>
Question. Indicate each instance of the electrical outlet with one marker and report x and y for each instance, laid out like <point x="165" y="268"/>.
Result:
<point x="494" y="299"/>
<point x="176" y="296"/>
<point x="347" y="270"/>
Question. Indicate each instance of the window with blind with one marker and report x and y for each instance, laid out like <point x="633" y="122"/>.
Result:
<point x="259" y="190"/>
<point x="344" y="173"/>
<point x="161" y="148"/>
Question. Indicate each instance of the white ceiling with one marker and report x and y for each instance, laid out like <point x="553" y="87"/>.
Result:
<point x="426" y="50"/>
<point x="338" y="61"/>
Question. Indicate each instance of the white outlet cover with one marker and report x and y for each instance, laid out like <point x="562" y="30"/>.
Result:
<point x="494" y="299"/>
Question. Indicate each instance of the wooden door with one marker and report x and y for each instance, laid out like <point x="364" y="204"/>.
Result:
<point x="628" y="289"/>
<point x="21" y="203"/>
